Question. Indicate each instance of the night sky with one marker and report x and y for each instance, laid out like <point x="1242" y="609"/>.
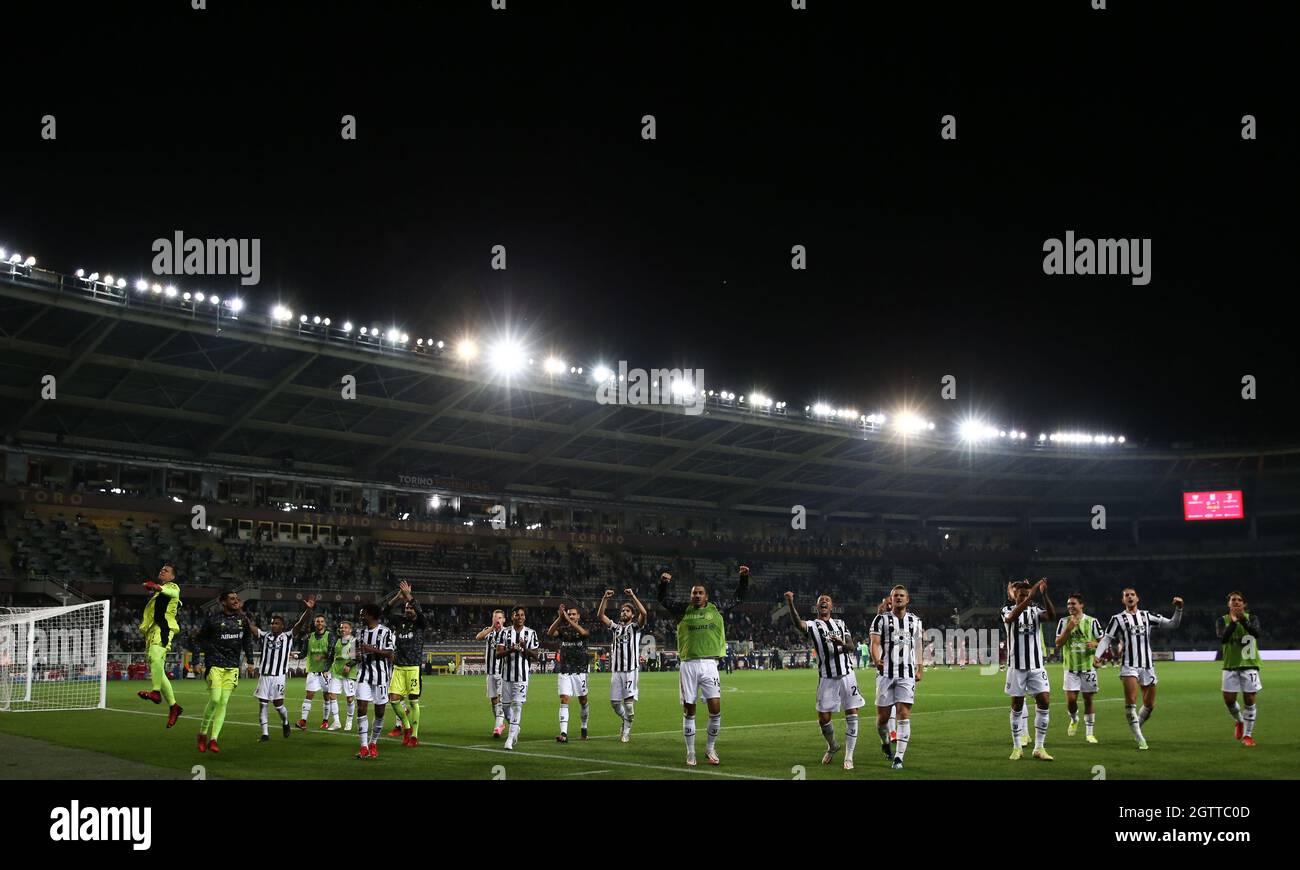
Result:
<point x="775" y="128"/>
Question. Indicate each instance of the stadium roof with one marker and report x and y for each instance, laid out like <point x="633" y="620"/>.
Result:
<point x="145" y="378"/>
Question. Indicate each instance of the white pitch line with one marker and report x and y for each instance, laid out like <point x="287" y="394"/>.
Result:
<point x="585" y="772"/>
<point x="700" y="771"/>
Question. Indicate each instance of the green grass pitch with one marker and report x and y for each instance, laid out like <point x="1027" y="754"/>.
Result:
<point x="960" y="731"/>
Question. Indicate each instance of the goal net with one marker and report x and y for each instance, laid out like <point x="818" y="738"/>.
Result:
<point x="53" y="658"/>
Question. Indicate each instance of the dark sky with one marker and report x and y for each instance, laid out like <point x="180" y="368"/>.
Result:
<point x="775" y="128"/>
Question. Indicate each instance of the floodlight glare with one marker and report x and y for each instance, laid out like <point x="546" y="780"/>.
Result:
<point x="347" y="326"/>
<point x="94" y="276"/>
<point x="108" y="279"/>
<point x="186" y="296"/>
<point x="30" y="261"/>
<point x="121" y="282"/>
<point x="200" y="297"/>
<point x="316" y="320"/>
<point x="170" y="292"/>
<point x="554" y="366"/>
<point x="302" y="318"/>
<point x="80" y="273"/>
<point x="467" y="349"/>
<point x="602" y="374"/>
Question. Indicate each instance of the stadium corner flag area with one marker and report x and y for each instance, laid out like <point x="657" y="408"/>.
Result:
<point x="886" y="405"/>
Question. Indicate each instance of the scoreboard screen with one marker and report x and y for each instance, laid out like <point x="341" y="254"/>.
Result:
<point x="1217" y="505"/>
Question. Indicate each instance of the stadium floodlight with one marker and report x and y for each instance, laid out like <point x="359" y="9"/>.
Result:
<point x="347" y="326"/>
<point x="29" y="262"/>
<point x="757" y="399"/>
<point x="419" y="342"/>
<point x="16" y="258"/>
<point x="554" y="366"/>
<point x="326" y="321"/>
<point x="80" y="273"/>
<point x="1110" y="439"/>
<point x="405" y="338"/>
<point x="364" y="330"/>
<point x="3" y="255"/>
<point x="506" y="357"/>
<point x="186" y="296"/>
<point x="302" y="318"/>
<point x="821" y="409"/>
<point x="214" y="299"/>
<point x="466" y="349"/>
<point x="316" y="320"/>
<point x="441" y="345"/>
<point x="170" y="292"/>
<point x="156" y="287"/>
<point x="121" y="283"/>
<point x="601" y="374"/>
<point x="908" y="423"/>
<point x="374" y="331"/>
<point x="108" y="279"/>
<point x="200" y="297"/>
<point x="94" y="276"/>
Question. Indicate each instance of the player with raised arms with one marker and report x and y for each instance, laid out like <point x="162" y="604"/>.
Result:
<point x="277" y="646"/>
<point x="837" y="686"/>
<point x="1025" y="658"/>
<point x="408" y="629"/>
<point x="1238" y="631"/>
<point x="158" y="625"/>
<point x="492" y="667"/>
<point x="701" y="641"/>
<point x="624" y="657"/>
<point x="574" y="660"/>
<point x="1137" y="667"/>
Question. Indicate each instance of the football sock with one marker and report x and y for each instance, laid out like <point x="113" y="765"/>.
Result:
<point x="904" y="735"/>
<point x="715" y="725"/>
<point x="1248" y="719"/>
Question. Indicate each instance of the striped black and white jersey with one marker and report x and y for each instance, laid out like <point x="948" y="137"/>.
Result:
<point x="1134" y="631"/>
<point x="490" y="662"/>
<point x="275" y="654"/>
<point x="1024" y="638"/>
<point x="898" y="638"/>
<point x="832" y="661"/>
<point x="625" y="647"/>
<point x="376" y="670"/>
<point x="514" y="664"/>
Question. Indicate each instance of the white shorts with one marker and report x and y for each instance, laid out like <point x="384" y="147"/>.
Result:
<point x="494" y="685"/>
<point x="1081" y="681"/>
<point x="269" y="688"/>
<point x="893" y="690"/>
<point x="573" y="685"/>
<point x="1246" y="680"/>
<point x="839" y="693"/>
<point x="624" y="685"/>
<point x="376" y="693"/>
<point x="1146" y="676"/>
<point x="318" y="682"/>
<point x="512" y="692"/>
<point x="342" y="686"/>
<point x="1026" y="681"/>
<point x="699" y="677"/>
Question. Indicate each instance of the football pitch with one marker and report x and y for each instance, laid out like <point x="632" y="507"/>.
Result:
<point x="960" y="731"/>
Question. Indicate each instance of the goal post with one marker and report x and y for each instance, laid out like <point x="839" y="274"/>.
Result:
<point x="54" y="658"/>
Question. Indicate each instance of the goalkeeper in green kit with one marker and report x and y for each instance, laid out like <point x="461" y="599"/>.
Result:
<point x="158" y="625"/>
